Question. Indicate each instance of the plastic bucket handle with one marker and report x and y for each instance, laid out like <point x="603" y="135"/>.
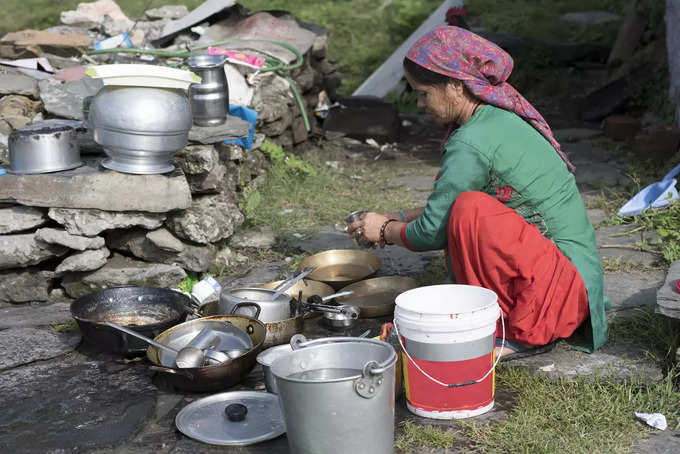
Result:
<point x="451" y="385"/>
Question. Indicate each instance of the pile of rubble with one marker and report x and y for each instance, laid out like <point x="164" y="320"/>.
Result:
<point x="69" y="233"/>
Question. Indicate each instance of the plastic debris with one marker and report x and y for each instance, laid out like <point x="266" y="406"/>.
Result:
<point x="656" y="420"/>
<point x="206" y="290"/>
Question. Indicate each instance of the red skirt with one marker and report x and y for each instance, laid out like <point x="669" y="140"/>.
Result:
<point x="541" y="293"/>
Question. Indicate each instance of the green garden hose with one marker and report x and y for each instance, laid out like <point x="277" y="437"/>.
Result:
<point x="271" y="64"/>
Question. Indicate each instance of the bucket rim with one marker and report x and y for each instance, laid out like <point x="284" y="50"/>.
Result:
<point x="423" y="310"/>
<point x="389" y="362"/>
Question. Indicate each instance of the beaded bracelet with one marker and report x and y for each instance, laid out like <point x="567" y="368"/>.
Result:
<point x="383" y="241"/>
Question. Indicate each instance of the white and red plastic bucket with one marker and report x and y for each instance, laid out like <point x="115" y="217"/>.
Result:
<point x="447" y="333"/>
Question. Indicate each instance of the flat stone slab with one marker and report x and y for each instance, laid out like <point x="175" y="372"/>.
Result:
<point x="596" y="216"/>
<point x="25" y="345"/>
<point x="63" y="238"/>
<point x="19" y="218"/>
<point x="91" y="186"/>
<point x="323" y="239"/>
<point x="666" y="442"/>
<point x="413" y="182"/>
<point x="31" y="315"/>
<point x="233" y="128"/>
<point x="24" y="285"/>
<point x="66" y="99"/>
<point x="575" y="134"/>
<point x="260" y="275"/>
<point x="18" y="84"/>
<point x="631" y="290"/>
<point x="599" y="173"/>
<point x="92" y="222"/>
<point x="615" y="362"/>
<point x="24" y="249"/>
<point x="668" y="297"/>
<point x="78" y="405"/>
<point x="608" y="237"/>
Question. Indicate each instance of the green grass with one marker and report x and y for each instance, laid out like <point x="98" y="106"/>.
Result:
<point x="573" y="415"/>
<point x="411" y="435"/>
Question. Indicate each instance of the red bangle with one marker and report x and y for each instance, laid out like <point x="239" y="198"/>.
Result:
<point x="383" y="241"/>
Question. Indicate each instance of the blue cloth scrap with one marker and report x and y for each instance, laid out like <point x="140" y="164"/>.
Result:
<point x="248" y="115"/>
<point x="3" y="171"/>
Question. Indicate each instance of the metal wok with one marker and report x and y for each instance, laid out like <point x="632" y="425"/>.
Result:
<point x="375" y="297"/>
<point x="341" y="267"/>
<point x="218" y="376"/>
<point x="147" y="310"/>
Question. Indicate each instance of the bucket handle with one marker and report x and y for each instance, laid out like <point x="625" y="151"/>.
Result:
<point x="300" y="341"/>
<point x="452" y="385"/>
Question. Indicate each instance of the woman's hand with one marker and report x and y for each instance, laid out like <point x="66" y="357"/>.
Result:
<point x="369" y="226"/>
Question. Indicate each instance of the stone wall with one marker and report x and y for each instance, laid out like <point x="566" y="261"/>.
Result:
<point x="66" y="234"/>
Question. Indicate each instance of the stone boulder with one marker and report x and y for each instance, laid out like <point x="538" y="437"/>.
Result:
<point x="208" y="220"/>
<point x="258" y="237"/>
<point x="83" y="261"/>
<point x="18" y="218"/>
<point x="272" y="98"/>
<point x="16" y="111"/>
<point x="25" y="285"/>
<point x="93" y="222"/>
<point x="18" y="84"/>
<point x="66" y="99"/>
<point x="196" y="159"/>
<point x="63" y="238"/>
<point x="136" y="242"/>
<point x="123" y="271"/>
<point x="93" y="14"/>
<point x="163" y="239"/>
<point x="24" y="250"/>
<point x="167" y="12"/>
<point x="212" y="182"/>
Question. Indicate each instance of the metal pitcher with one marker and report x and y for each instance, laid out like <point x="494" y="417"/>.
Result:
<point x="210" y="98"/>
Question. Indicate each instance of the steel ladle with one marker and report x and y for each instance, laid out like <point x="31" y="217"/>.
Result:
<point x="184" y="358"/>
<point x="288" y="284"/>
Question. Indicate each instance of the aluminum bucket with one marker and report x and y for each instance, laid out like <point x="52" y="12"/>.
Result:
<point x="337" y="395"/>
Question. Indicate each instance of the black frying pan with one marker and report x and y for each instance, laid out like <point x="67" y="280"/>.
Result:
<point x="147" y="310"/>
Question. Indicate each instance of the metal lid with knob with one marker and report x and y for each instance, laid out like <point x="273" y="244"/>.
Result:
<point x="235" y="418"/>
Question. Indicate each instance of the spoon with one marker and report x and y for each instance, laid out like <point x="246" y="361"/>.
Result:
<point x="185" y="358"/>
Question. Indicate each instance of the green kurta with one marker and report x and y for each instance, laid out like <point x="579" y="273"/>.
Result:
<point x="495" y="149"/>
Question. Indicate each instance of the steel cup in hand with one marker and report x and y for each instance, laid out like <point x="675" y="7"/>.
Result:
<point x="359" y="233"/>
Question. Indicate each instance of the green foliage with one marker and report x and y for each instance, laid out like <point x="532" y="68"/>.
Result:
<point x="291" y="163"/>
<point x="666" y="222"/>
<point x="659" y="334"/>
<point x="188" y="283"/>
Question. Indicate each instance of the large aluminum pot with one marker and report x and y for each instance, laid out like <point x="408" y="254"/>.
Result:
<point x="210" y="98"/>
<point x="44" y="146"/>
<point x="270" y="311"/>
<point x="140" y="127"/>
<point x="337" y="396"/>
<point x="215" y="377"/>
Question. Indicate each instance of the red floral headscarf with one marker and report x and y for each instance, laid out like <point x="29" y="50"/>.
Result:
<point x="484" y="68"/>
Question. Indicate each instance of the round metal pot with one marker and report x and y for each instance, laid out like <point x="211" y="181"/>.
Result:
<point x="44" y="146"/>
<point x="266" y="359"/>
<point x="231" y="301"/>
<point x="337" y="396"/>
<point x="210" y="98"/>
<point x="218" y="376"/>
<point x="140" y="127"/>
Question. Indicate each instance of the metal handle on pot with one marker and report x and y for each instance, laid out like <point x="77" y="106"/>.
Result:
<point x="171" y="371"/>
<point x="371" y="380"/>
<point x="237" y="306"/>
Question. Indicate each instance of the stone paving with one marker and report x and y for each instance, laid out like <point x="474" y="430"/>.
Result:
<point x="61" y="396"/>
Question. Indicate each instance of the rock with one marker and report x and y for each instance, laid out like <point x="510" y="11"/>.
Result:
<point x="196" y="159"/>
<point x="34" y="43"/>
<point x="272" y="98"/>
<point x="211" y="182"/>
<point x="223" y="259"/>
<point x="320" y="47"/>
<point x="617" y="235"/>
<point x="123" y="271"/>
<point x="17" y="218"/>
<point x="43" y="344"/>
<point x="90" y="187"/>
<point x="15" y="112"/>
<point x="300" y="133"/>
<point x="259" y="237"/>
<point x="278" y="126"/>
<point x="25" y="285"/>
<point x="167" y="12"/>
<point x="575" y="134"/>
<point x="163" y="239"/>
<point x="605" y="100"/>
<point x="83" y="261"/>
<point x="668" y="297"/>
<point x="58" y="294"/>
<point x="63" y="238"/>
<point x="233" y="128"/>
<point x="305" y="78"/>
<point x="657" y="143"/>
<point x="18" y="84"/>
<point x="621" y="127"/>
<point x="584" y="18"/>
<point x="365" y="117"/>
<point x="268" y="272"/>
<point x="322" y="239"/>
<point x="4" y="149"/>
<point x="114" y="27"/>
<point x="35" y="315"/>
<point x="93" y="222"/>
<point x="81" y="405"/>
<point x="631" y="290"/>
<point x="24" y="250"/>
<point x="600" y="174"/>
<point x="666" y="442"/>
<point x="152" y="29"/>
<point x="65" y="99"/>
<point x="192" y="257"/>
<point x="613" y="363"/>
<point x="93" y="14"/>
<point x="209" y="219"/>
<point x="596" y="216"/>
